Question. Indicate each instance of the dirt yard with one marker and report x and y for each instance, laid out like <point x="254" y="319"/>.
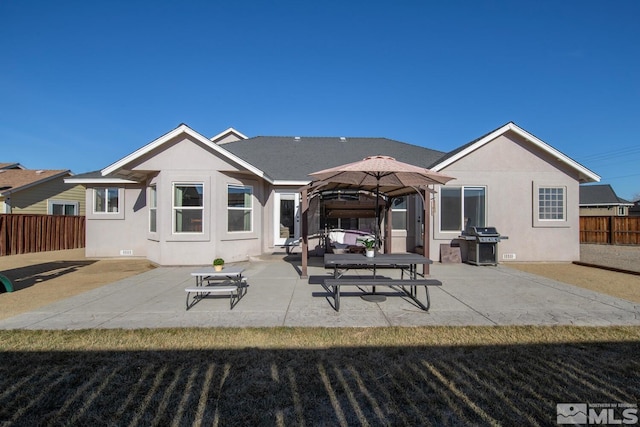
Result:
<point x="45" y="277"/>
<point x="620" y="285"/>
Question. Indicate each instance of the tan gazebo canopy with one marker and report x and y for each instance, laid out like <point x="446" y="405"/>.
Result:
<point x="383" y="175"/>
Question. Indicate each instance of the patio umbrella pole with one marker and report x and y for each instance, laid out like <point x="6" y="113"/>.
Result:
<point x="373" y="297"/>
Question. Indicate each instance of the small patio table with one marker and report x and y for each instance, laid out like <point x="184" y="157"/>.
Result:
<point x="210" y="274"/>
<point x="228" y="280"/>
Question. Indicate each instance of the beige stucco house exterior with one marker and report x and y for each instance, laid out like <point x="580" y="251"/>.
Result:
<point x="185" y="199"/>
<point x="26" y="191"/>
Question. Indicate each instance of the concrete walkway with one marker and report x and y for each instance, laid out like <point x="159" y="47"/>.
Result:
<point x="276" y="296"/>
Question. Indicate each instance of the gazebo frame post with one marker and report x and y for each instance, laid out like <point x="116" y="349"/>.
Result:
<point x="305" y="233"/>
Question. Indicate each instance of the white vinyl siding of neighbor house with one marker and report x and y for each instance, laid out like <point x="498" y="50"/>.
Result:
<point x="35" y="200"/>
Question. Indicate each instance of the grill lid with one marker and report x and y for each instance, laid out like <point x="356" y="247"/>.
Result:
<point x="483" y="231"/>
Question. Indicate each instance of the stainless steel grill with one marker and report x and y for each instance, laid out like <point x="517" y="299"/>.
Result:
<point x="482" y="245"/>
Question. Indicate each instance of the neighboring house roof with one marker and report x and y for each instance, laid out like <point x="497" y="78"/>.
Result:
<point x="96" y="177"/>
<point x="601" y="195"/>
<point x="11" y="166"/>
<point x="289" y="158"/>
<point x="585" y="175"/>
<point x="13" y="180"/>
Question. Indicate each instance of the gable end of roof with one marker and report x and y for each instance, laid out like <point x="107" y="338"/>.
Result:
<point x="585" y="174"/>
<point x="182" y="129"/>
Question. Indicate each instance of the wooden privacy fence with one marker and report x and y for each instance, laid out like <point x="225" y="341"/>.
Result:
<point x="611" y="230"/>
<point x="25" y="233"/>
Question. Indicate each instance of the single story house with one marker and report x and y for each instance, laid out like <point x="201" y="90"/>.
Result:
<point x="185" y="199"/>
<point x="26" y="191"/>
<point x="602" y="200"/>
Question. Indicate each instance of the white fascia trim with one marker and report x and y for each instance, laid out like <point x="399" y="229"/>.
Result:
<point x="527" y="136"/>
<point x="290" y="183"/>
<point x="228" y="131"/>
<point x="168" y="136"/>
<point x="603" y="205"/>
<point x="99" y="181"/>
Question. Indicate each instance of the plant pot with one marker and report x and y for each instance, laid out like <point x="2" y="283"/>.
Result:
<point x="218" y="267"/>
<point x="370" y="253"/>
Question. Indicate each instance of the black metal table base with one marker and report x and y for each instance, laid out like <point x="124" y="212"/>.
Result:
<point x="374" y="298"/>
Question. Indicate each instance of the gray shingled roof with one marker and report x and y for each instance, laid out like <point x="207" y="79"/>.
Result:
<point x="289" y="158"/>
<point x="602" y="194"/>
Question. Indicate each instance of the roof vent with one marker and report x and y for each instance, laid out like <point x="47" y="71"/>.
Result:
<point x="39" y="171"/>
<point x="343" y="139"/>
<point x="297" y="138"/>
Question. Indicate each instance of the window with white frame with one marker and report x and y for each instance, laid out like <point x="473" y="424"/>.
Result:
<point x="551" y="203"/>
<point x="106" y="200"/>
<point x="462" y="207"/>
<point x="239" y="208"/>
<point x="399" y="213"/>
<point x="153" y="209"/>
<point x="63" y="207"/>
<point x="188" y="207"/>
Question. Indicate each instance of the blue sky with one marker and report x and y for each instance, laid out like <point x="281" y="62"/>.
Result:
<point x="84" y="83"/>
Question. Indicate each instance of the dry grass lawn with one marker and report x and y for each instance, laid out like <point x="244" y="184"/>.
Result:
<point x="313" y="376"/>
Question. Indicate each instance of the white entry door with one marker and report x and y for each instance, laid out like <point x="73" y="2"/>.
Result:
<point x="419" y="215"/>
<point x="287" y="218"/>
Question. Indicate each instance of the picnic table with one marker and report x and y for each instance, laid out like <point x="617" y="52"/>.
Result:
<point x="406" y="262"/>
<point x="229" y="280"/>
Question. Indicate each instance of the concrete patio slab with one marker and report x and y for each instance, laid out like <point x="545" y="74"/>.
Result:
<point x="276" y="296"/>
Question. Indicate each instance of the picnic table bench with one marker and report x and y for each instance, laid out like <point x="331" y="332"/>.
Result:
<point x="402" y="284"/>
<point x="406" y="262"/>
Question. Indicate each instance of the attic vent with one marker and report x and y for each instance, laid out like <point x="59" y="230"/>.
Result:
<point x="39" y="171"/>
<point x="343" y="139"/>
<point x="297" y="138"/>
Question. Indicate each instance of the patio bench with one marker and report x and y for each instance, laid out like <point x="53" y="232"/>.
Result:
<point x="392" y="283"/>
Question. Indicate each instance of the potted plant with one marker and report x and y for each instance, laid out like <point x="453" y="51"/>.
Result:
<point x="218" y="263"/>
<point x="369" y="246"/>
